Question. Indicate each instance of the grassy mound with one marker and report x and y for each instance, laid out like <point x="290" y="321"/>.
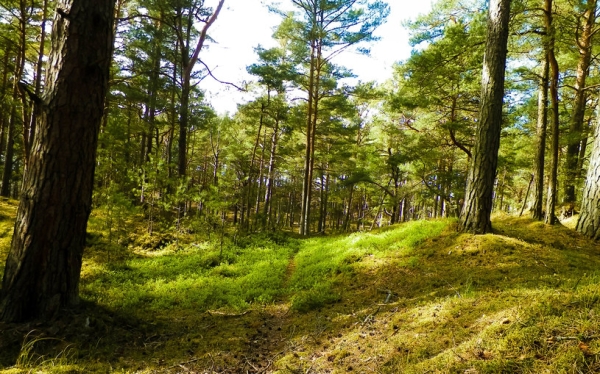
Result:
<point x="412" y="298"/>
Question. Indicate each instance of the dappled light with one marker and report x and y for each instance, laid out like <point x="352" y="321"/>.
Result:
<point x="410" y="298"/>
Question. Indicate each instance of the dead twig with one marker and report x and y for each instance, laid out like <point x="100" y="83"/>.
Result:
<point x="183" y="363"/>
<point x="370" y="317"/>
<point x="214" y="313"/>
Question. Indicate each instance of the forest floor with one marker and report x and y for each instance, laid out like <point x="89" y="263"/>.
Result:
<point x="412" y="298"/>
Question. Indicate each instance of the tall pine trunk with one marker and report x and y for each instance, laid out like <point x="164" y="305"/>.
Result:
<point x="577" y="119"/>
<point x="554" y="73"/>
<point x="589" y="219"/>
<point x="482" y="171"/>
<point x="43" y="267"/>
<point x="537" y="207"/>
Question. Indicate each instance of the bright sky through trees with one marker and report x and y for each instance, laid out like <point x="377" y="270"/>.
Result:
<point x="244" y="24"/>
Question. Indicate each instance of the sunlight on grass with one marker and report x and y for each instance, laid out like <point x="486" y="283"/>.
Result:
<point x="321" y="260"/>
<point x="8" y="212"/>
<point x="412" y="298"/>
<point x="193" y="278"/>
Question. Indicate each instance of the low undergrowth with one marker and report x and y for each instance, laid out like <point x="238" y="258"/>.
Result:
<point x="412" y="298"/>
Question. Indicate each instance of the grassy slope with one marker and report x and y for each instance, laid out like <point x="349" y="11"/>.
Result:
<point x="412" y="298"/>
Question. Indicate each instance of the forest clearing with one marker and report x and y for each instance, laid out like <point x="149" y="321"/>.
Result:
<point x="415" y="297"/>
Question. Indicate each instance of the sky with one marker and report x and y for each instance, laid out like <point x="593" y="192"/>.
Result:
<point x="244" y="24"/>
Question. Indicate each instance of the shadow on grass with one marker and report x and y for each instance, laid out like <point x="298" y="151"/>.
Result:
<point x="401" y="301"/>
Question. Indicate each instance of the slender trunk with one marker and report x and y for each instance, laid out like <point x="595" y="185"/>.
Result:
<point x="554" y="72"/>
<point x="183" y="127"/>
<point x="307" y="181"/>
<point x="526" y="195"/>
<point x="3" y="103"/>
<point x="10" y="136"/>
<point x="542" y="123"/>
<point x="260" y="175"/>
<point x="271" y="174"/>
<point x="38" y="77"/>
<point x="9" y="154"/>
<point x="582" y="149"/>
<point x="348" y="215"/>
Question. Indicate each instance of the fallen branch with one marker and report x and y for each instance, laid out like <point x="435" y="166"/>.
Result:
<point x="554" y="339"/>
<point x="227" y="314"/>
<point x="183" y="363"/>
<point x="370" y="317"/>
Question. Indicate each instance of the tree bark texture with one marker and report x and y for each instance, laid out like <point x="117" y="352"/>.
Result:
<point x="554" y="76"/>
<point x="537" y="207"/>
<point x="589" y="219"/>
<point x="482" y="171"/>
<point x="43" y="267"/>
<point x="576" y="126"/>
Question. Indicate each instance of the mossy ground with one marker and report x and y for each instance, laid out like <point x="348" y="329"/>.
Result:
<point x="412" y="298"/>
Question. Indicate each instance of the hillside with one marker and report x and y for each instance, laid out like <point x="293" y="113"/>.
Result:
<point x="412" y="298"/>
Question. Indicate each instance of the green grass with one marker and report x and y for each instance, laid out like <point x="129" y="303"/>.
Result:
<point x="8" y="211"/>
<point x="195" y="278"/>
<point x="412" y="298"/>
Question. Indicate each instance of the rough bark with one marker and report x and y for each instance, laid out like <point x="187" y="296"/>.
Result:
<point x="482" y="171"/>
<point x="577" y="119"/>
<point x="537" y="207"/>
<point x="589" y="219"/>
<point x="554" y="75"/>
<point x="43" y="267"/>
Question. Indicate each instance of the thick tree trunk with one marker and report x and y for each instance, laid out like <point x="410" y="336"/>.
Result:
<point x="537" y="207"/>
<point x="482" y="171"/>
<point x="43" y="267"/>
<point x="576" y="126"/>
<point x="589" y="219"/>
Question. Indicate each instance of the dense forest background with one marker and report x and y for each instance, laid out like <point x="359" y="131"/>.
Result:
<point x="375" y="154"/>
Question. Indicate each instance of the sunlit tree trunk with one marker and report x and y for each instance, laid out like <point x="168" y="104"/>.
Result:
<point x="537" y="207"/>
<point x="43" y="267"/>
<point x="577" y="119"/>
<point x="554" y="72"/>
<point x="589" y="219"/>
<point x="482" y="171"/>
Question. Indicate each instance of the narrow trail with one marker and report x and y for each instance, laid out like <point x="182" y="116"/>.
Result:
<point x="273" y="332"/>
